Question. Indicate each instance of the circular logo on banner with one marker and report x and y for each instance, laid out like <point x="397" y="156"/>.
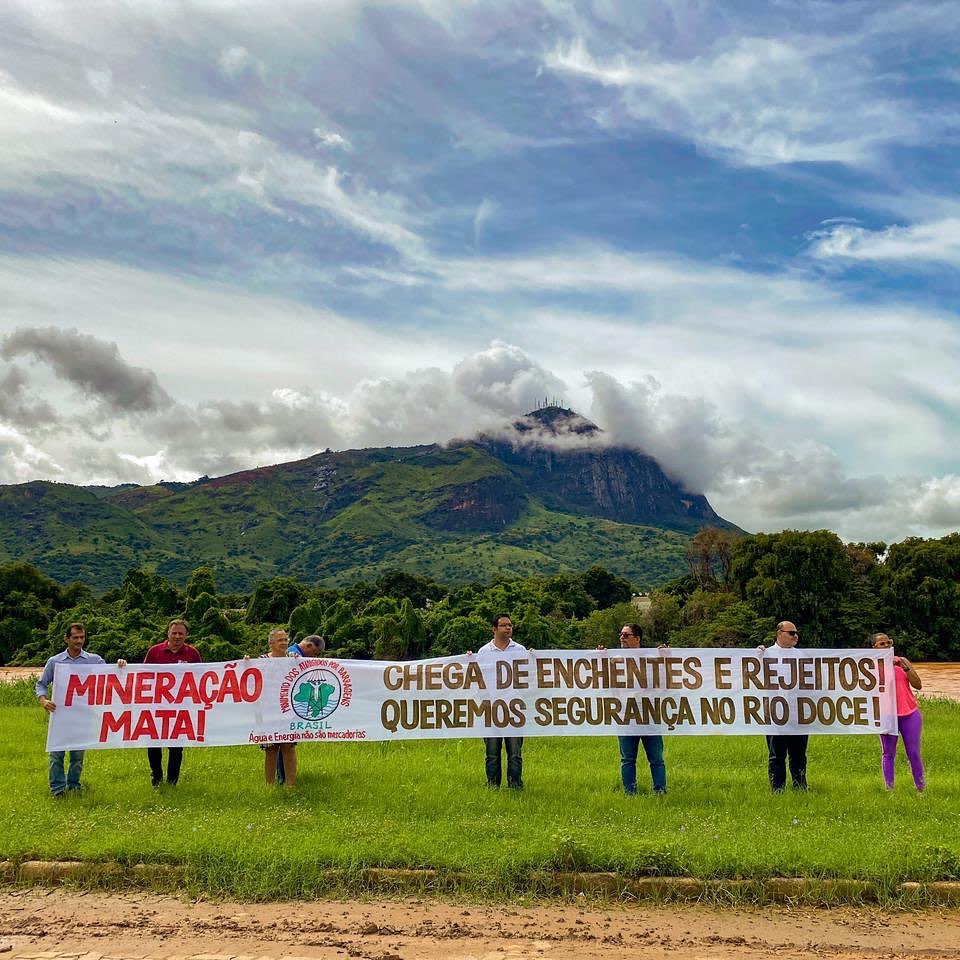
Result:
<point x="316" y="694"/>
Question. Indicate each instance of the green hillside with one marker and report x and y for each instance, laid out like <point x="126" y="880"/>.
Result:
<point x="457" y="514"/>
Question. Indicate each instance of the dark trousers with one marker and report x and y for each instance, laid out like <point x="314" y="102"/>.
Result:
<point x="514" y="746"/>
<point x="653" y="748"/>
<point x="174" y="759"/>
<point x="783" y="747"/>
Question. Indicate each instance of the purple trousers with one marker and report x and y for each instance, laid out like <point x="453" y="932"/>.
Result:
<point x="910" y="727"/>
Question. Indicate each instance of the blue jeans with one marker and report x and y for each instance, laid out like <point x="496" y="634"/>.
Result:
<point x="514" y="747"/>
<point x="59" y="782"/>
<point x="653" y="747"/>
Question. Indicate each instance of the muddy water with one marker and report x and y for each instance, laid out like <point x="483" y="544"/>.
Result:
<point x="939" y="679"/>
<point x="9" y="674"/>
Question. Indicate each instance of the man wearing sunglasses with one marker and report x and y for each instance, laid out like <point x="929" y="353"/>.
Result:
<point x="784" y="747"/>
<point x="631" y="636"/>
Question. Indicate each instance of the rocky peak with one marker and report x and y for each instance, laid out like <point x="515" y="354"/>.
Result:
<point x="556" y="421"/>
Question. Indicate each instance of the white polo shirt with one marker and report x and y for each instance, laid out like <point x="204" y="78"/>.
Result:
<point x="512" y="651"/>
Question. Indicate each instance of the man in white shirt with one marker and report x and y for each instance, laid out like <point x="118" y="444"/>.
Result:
<point x="503" y="645"/>
<point x="75" y="636"/>
<point x="784" y="746"/>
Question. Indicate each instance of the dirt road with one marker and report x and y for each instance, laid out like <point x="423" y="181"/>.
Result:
<point x="61" y="925"/>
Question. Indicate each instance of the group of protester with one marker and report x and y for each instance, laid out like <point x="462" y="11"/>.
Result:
<point x="280" y="760"/>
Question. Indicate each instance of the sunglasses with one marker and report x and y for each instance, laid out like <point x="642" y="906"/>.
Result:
<point x="791" y="633"/>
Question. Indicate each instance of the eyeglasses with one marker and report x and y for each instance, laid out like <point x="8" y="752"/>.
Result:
<point x="790" y="633"/>
<point x="626" y="633"/>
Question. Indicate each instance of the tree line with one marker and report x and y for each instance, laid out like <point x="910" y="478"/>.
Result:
<point x="735" y="590"/>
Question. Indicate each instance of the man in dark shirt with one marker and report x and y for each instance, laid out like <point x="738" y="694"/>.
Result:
<point x="174" y="649"/>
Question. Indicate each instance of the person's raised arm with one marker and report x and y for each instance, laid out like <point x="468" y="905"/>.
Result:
<point x="911" y="671"/>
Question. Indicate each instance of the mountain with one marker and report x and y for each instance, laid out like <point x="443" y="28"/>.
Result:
<point x="544" y="494"/>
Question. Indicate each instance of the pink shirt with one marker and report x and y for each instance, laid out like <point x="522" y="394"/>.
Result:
<point x="906" y="702"/>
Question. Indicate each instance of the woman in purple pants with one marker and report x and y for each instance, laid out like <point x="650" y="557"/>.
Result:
<point x="909" y="721"/>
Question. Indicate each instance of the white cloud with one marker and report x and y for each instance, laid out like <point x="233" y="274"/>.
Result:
<point x="101" y="80"/>
<point x="760" y="100"/>
<point x="21" y="461"/>
<point x="485" y="212"/>
<point x="207" y="340"/>
<point x="235" y="61"/>
<point x="330" y="138"/>
<point x="762" y="477"/>
<point x="936" y="242"/>
<point x="182" y="159"/>
<point x="763" y="484"/>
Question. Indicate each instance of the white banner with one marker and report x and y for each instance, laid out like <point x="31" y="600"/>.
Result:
<point x="547" y="693"/>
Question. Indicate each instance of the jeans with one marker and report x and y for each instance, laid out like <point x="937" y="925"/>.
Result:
<point x="174" y="759"/>
<point x="514" y="760"/>
<point x="653" y="747"/>
<point x="910" y="728"/>
<point x="781" y="746"/>
<point x="59" y="782"/>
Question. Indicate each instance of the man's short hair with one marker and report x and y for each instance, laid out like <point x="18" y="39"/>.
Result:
<point x="500" y="616"/>
<point x="181" y="621"/>
<point x="274" y="632"/>
<point x="75" y="626"/>
<point x="319" y="642"/>
<point x="636" y="630"/>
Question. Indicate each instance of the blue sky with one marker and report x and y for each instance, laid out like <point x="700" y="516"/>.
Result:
<point x="233" y="233"/>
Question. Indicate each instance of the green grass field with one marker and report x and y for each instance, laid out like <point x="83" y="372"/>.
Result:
<point x="424" y="804"/>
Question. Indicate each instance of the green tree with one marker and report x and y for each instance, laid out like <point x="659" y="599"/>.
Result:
<point x="661" y="619"/>
<point x="198" y="604"/>
<point x="919" y="589"/>
<point x="602" y="627"/>
<point x="606" y="588"/>
<point x="460" y="634"/>
<point x="306" y="619"/>
<point x="402" y="585"/>
<point x="710" y="558"/>
<point x="201" y="581"/>
<point x="148" y="591"/>
<point x="565" y="593"/>
<point x="274" y="600"/>
<point x="797" y="575"/>
<point x="28" y="603"/>
<point x="533" y="630"/>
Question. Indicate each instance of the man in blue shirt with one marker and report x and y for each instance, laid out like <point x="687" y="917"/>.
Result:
<point x="75" y="636"/>
<point x="309" y="647"/>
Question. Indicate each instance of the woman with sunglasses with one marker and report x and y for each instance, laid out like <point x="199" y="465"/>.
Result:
<point x="909" y="721"/>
